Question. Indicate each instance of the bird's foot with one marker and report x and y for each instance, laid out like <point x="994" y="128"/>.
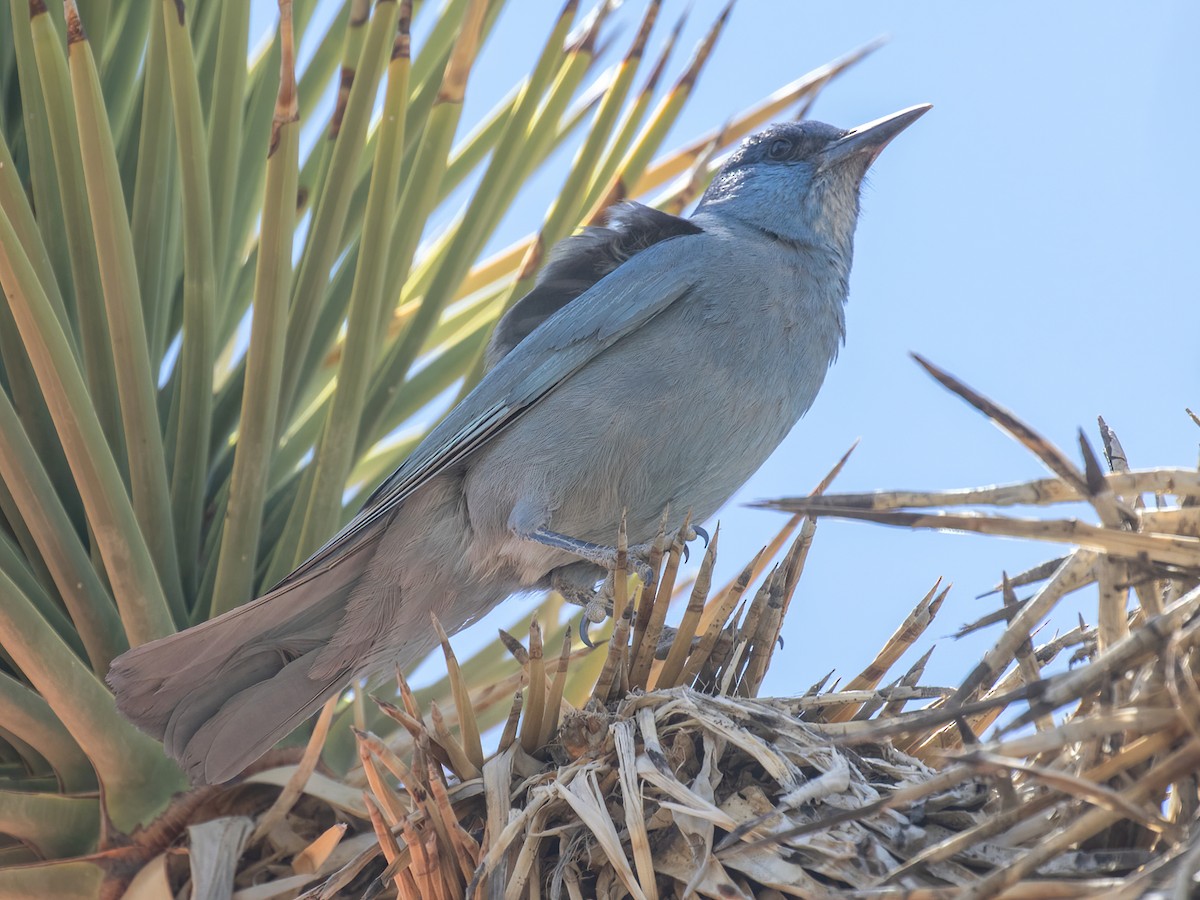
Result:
<point x="642" y="551"/>
<point x="577" y="583"/>
<point x="595" y="611"/>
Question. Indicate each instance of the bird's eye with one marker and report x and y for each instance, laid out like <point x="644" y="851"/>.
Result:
<point x="780" y="148"/>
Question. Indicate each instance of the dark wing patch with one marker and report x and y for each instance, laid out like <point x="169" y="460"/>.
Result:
<point x="578" y="262"/>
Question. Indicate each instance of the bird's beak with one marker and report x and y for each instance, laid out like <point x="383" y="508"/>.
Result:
<point x="870" y="139"/>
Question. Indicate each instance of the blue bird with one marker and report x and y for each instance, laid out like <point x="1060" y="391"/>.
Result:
<point x="656" y="365"/>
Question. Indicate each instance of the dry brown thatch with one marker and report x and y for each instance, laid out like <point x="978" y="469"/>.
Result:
<point x="675" y="780"/>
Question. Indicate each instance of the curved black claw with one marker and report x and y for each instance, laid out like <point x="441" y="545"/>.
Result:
<point x="585" y="625"/>
<point x="642" y="569"/>
<point x="700" y="533"/>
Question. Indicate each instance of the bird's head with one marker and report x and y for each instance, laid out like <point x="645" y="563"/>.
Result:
<point x="800" y="180"/>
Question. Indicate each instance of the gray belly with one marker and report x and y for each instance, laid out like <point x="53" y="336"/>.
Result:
<point x="653" y="422"/>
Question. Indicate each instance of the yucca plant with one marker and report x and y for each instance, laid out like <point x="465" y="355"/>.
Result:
<point x="217" y="338"/>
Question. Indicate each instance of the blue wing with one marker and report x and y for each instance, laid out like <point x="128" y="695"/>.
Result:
<point x="618" y="304"/>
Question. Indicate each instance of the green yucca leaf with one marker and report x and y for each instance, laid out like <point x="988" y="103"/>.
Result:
<point x="537" y="143"/>
<point x="262" y="87"/>
<point x="418" y="198"/>
<point x="29" y="719"/>
<point x="10" y="98"/>
<point x="337" y="297"/>
<point x="93" y="331"/>
<point x="458" y="337"/>
<point x="630" y="122"/>
<point x="338" y="443"/>
<point x="477" y="144"/>
<point x="262" y="90"/>
<point x="568" y="204"/>
<point x="191" y="411"/>
<point x="98" y="14"/>
<point x="414" y="206"/>
<point x="139" y="595"/>
<point x="427" y="168"/>
<point x="321" y="245"/>
<point x="475" y="147"/>
<point x="15" y="202"/>
<point x="453" y="27"/>
<point x="155" y="205"/>
<point x="225" y="132"/>
<point x="264" y="359"/>
<point x="22" y="381"/>
<point x="471" y="227"/>
<point x="54" y="825"/>
<point x="459" y="340"/>
<point x="316" y="167"/>
<point x="564" y="210"/>
<point x="315" y="78"/>
<point x="130" y="765"/>
<point x="51" y="74"/>
<point x="228" y="371"/>
<point x="505" y="263"/>
<point x="22" y="556"/>
<point x="40" y="159"/>
<point x="579" y="58"/>
<point x="119" y="73"/>
<point x="661" y="119"/>
<point x="73" y="880"/>
<point x="437" y="376"/>
<point x="202" y="21"/>
<point x="319" y="253"/>
<point x="122" y="300"/>
<point x="57" y="543"/>
<point x="19" y="559"/>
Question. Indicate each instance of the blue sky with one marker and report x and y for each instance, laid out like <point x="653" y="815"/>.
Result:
<point x="1035" y="234"/>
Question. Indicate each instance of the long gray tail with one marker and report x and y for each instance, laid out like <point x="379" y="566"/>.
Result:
<point x="221" y="694"/>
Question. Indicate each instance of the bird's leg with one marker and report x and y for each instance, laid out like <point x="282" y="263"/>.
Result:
<point x="606" y="557"/>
